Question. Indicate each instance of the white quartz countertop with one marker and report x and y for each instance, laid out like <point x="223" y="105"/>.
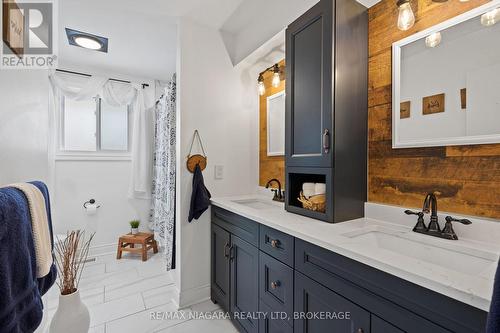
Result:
<point x="469" y="283"/>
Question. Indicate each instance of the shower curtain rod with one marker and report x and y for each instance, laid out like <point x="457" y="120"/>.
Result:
<point x="144" y="85"/>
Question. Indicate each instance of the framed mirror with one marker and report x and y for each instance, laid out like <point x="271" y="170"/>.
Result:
<point x="276" y="124"/>
<point x="446" y="82"/>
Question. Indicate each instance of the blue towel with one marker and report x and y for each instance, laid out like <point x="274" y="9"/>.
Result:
<point x="46" y="282"/>
<point x="21" y="307"/>
<point x="493" y="324"/>
<point x="200" y="198"/>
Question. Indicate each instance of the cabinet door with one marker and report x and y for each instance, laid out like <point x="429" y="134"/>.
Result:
<point x="309" y="105"/>
<point x="381" y="326"/>
<point x="244" y="284"/>
<point x="220" y="244"/>
<point x="321" y="310"/>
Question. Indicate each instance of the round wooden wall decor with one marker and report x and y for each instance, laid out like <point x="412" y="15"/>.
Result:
<point x="196" y="159"/>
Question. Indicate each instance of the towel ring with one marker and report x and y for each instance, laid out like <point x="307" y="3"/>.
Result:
<point x="91" y="201"/>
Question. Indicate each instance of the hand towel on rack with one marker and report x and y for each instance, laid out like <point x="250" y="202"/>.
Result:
<point x="46" y="282"/>
<point x="200" y="198"/>
<point x="493" y="322"/>
<point x="21" y="308"/>
<point x="40" y="227"/>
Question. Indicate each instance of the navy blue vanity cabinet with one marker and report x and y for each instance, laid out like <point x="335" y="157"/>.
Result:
<point x="244" y="283"/>
<point x="235" y="267"/>
<point x="309" y="88"/>
<point x="315" y="302"/>
<point x="220" y="248"/>
<point x="392" y="302"/>
<point x="274" y="322"/>
<point x="327" y="108"/>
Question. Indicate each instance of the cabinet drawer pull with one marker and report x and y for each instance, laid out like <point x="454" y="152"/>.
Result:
<point x="360" y="330"/>
<point x="226" y="250"/>
<point x="275" y="284"/>
<point x="275" y="243"/>
<point x="326" y="141"/>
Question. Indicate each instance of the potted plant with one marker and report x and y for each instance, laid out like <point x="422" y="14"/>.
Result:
<point x="71" y="254"/>
<point x="134" y="225"/>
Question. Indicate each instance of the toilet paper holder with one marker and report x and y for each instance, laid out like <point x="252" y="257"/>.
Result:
<point x="91" y="202"/>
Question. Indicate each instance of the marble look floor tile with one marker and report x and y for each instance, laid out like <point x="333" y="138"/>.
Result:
<point x="207" y="306"/>
<point x="96" y="269"/>
<point x="205" y="326"/>
<point x="120" y="290"/>
<point x="116" y="309"/>
<point x="143" y="322"/>
<point x="159" y="296"/>
<point x="107" y="279"/>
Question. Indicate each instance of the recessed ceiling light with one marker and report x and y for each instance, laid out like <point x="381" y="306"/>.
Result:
<point x="86" y="40"/>
<point x="88" y="43"/>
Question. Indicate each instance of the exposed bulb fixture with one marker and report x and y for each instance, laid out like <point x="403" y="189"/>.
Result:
<point x="88" y="42"/>
<point x="433" y="40"/>
<point x="406" y="18"/>
<point x="490" y="18"/>
<point x="276" y="80"/>
<point x="262" y="87"/>
<point x="276" y="76"/>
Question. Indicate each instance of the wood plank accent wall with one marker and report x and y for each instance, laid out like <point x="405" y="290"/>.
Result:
<point x="466" y="177"/>
<point x="269" y="166"/>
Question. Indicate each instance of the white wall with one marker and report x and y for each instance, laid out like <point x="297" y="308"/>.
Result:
<point x="23" y="126"/>
<point x="255" y="22"/>
<point x="210" y="100"/>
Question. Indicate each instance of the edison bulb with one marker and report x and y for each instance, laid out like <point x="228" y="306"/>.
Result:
<point x="406" y="18"/>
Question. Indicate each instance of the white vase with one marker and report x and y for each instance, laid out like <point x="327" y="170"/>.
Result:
<point x="71" y="316"/>
<point x="135" y="231"/>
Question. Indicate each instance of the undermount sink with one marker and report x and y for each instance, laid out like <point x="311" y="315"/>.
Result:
<point x="256" y="203"/>
<point x="450" y="256"/>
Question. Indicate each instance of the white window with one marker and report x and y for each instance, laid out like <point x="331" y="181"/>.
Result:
<point x="93" y="128"/>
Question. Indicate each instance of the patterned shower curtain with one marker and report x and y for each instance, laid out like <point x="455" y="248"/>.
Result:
<point x="163" y="198"/>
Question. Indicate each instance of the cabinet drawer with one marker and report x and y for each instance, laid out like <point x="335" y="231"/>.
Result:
<point x="277" y="244"/>
<point x="240" y="226"/>
<point x="273" y="322"/>
<point x="276" y="284"/>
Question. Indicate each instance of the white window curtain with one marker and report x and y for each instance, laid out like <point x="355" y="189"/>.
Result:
<point x="117" y="94"/>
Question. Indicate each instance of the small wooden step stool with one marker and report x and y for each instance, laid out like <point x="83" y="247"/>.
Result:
<point x="127" y="243"/>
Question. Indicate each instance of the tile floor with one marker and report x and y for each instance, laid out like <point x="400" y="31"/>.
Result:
<point x="122" y="294"/>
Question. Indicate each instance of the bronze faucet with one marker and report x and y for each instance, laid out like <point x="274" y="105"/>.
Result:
<point x="278" y="194"/>
<point x="433" y="229"/>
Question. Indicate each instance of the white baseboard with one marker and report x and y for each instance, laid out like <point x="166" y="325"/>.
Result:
<point x="193" y="296"/>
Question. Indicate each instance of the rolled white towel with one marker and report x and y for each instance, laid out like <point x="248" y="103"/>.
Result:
<point x="308" y="189"/>
<point x="39" y="227"/>
<point x="319" y="188"/>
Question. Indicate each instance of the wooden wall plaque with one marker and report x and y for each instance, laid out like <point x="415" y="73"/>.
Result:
<point x="404" y="110"/>
<point x="433" y="104"/>
<point x="463" y="98"/>
<point x="13" y="27"/>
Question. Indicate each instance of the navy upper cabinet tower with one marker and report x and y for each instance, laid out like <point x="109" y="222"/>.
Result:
<point x="326" y="107"/>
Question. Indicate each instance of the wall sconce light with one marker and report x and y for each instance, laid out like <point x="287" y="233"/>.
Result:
<point x="276" y="78"/>
<point x="406" y="18"/>
<point x="262" y="87"/>
<point x="433" y="40"/>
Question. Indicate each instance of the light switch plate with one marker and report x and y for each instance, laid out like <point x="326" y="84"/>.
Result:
<point x="219" y="172"/>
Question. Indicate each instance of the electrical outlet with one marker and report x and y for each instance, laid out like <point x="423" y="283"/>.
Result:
<point x="219" y="172"/>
